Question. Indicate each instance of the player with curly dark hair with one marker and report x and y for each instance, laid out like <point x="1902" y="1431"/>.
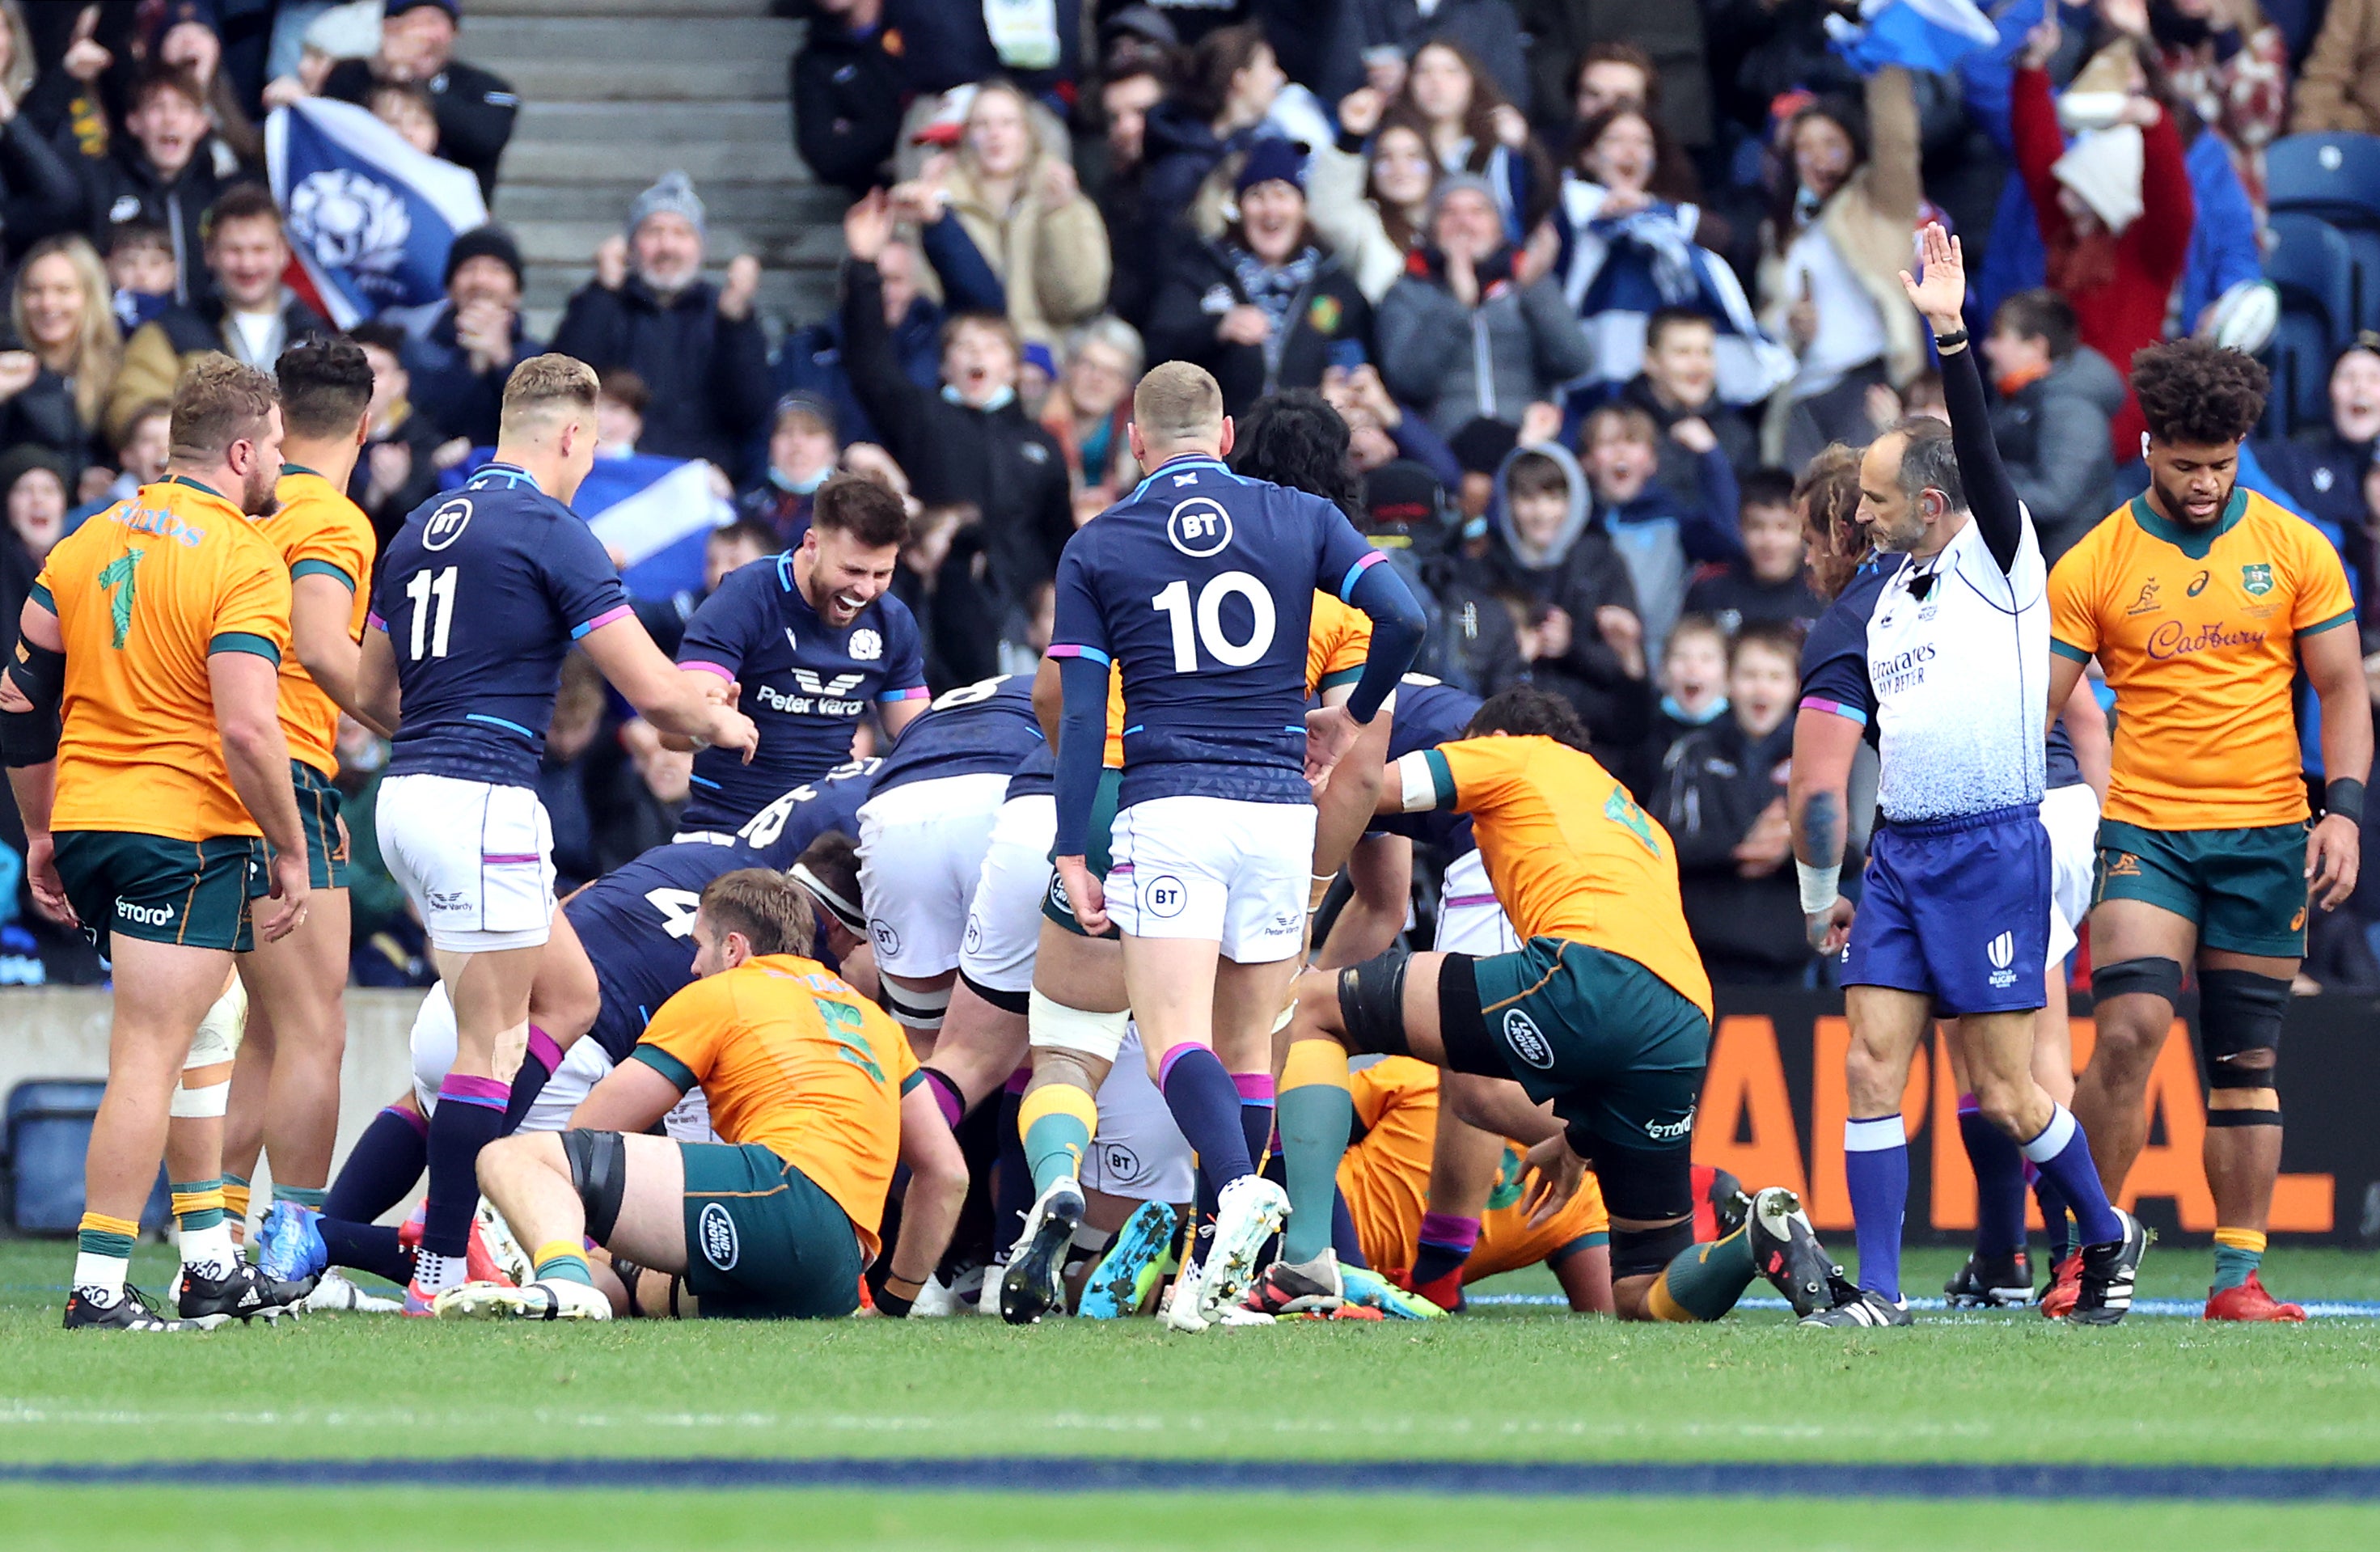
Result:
<point x="2201" y="600"/>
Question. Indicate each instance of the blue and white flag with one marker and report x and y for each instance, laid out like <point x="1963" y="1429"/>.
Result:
<point x="654" y="514"/>
<point x="1926" y="35"/>
<point x="370" y="217"/>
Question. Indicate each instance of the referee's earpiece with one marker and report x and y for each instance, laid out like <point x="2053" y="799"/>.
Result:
<point x="2144" y="445"/>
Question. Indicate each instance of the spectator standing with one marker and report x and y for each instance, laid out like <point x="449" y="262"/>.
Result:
<point x="697" y="346"/>
<point x="1837" y="237"/>
<point x="400" y="466"/>
<point x="1588" y="56"/>
<point x="247" y="314"/>
<point x="458" y="352"/>
<point x="1765" y="586"/>
<point x="160" y="171"/>
<point x="802" y="453"/>
<point x="846" y="86"/>
<point x="1021" y="207"/>
<point x="1693" y="687"/>
<point x="969" y="443"/>
<point x="2227" y="65"/>
<point x="1370" y="201"/>
<point x="1263" y="308"/>
<point x="475" y="108"/>
<point x="1679" y="389"/>
<point x="1088" y="409"/>
<point x="1388" y="33"/>
<point x="1589" y="638"/>
<point x="2338" y="85"/>
<point x="2323" y="468"/>
<point x="1462" y="338"/>
<point x="1125" y="102"/>
<point x="1229" y="85"/>
<point x="1469" y="643"/>
<point x="1721" y="796"/>
<point x="1473" y="127"/>
<point x="62" y="354"/>
<point x="184" y="35"/>
<point x="1658" y="535"/>
<point x="40" y="194"/>
<point x="2056" y="398"/>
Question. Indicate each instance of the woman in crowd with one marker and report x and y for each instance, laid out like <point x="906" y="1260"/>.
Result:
<point x="1263" y="308"/>
<point x="1028" y="218"/>
<point x="62" y="354"/>
<point x="34" y="485"/>
<point x="1837" y="237"/>
<point x="1229" y="87"/>
<point x="1367" y="203"/>
<point x="1090" y="405"/>
<point x="1473" y="128"/>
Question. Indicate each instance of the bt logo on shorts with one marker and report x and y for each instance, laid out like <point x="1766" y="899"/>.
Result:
<point x="1123" y="1164"/>
<point x="974" y="941"/>
<point x="2001" y="952"/>
<point x="717" y="1232"/>
<point x="1528" y="1043"/>
<point x="147" y="916"/>
<point x="1165" y="896"/>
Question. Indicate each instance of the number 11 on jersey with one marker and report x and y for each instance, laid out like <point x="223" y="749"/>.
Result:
<point x="429" y="638"/>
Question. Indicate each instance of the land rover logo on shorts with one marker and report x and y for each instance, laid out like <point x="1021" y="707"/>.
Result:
<point x="446" y="525"/>
<point x="1165" y="896"/>
<point x="718" y="1232"/>
<point x="2257" y="578"/>
<point x="1199" y="527"/>
<point x="1521" y="1033"/>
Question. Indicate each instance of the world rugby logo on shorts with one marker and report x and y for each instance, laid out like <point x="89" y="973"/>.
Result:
<point x="1528" y="1043"/>
<point x="1165" y="896"/>
<point x="1199" y="527"/>
<point x="446" y="525"/>
<point x="2001" y="952"/>
<point x="717" y="1234"/>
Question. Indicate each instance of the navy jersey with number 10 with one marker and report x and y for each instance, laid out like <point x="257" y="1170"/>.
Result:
<point x="1200" y="587"/>
<point x="482" y="593"/>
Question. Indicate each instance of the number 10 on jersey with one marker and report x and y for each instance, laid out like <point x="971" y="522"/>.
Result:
<point x="429" y="587"/>
<point x="1174" y="604"/>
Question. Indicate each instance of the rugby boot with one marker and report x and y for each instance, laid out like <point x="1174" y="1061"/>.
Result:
<point x="333" y="1291"/>
<point x="552" y="1299"/>
<point x="1248" y="1212"/>
<point x="1730" y="1204"/>
<point x="1369" y="1290"/>
<point x="1865" y="1308"/>
<point x="1786" y="1251"/>
<point x="1287" y="1289"/>
<point x="289" y="1246"/>
<point x="131" y="1313"/>
<point x="1034" y="1284"/>
<point x="495" y="1248"/>
<point x="2003" y="1282"/>
<point x="243" y="1293"/>
<point x="1119" y="1284"/>
<point x="2065" y="1285"/>
<point x="2109" y="1270"/>
<point x="2249" y="1302"/>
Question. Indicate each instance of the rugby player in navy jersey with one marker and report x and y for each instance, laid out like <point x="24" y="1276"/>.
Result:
<point x="923" y="835"/>
<point x="482" y="593"/>
<point x="1199" y="588"/>
<point x="620" y="948"/>
<point x="812" y="639"/>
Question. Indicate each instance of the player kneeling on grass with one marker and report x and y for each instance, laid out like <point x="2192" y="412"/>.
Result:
<point x="1604" y="1010"/>
<point x="816" y="1097"/>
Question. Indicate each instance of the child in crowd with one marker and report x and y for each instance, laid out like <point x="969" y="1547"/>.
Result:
<point x="620" y="400"/>
<point x="1656" y="535"/>
<point x="141" y="269"/>
<point x="802" y="451"/>
<point x="1693" y="691"/>
<point x="1589" y="645"/>
<point x="1766" y="584"/>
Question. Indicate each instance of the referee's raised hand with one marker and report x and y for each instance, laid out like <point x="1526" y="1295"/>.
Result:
<point x="1942" y="292"/>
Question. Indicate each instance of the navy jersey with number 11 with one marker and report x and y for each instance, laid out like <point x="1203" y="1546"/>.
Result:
<point x="482" y="593"/>
<point x="1200" y="587"/>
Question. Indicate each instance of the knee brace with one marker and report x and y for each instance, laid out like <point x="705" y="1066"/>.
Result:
<point x="1372" y="1004"/>
<point x="599" y="1173"/>
<point x="208" y="1103"/>
<point x="2240" y="1013"/>
<point x="1645" y="1252"/>
<point x="2154" y="977"/>
<point x="914" y="1008"/>
<point x="1051" y="1024"/>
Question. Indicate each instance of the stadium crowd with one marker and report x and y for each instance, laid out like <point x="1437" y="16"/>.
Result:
<point x="1561" y="304"/>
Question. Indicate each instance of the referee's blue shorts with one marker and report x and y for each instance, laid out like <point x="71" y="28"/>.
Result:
<point x="1957" y="910"/>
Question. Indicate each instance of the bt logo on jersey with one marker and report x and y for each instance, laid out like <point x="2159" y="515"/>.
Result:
<point x="446" y="525"/>
<point x="1199" y="527"/>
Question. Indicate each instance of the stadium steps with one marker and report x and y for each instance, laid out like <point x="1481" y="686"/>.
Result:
<point x="616" y="92"/>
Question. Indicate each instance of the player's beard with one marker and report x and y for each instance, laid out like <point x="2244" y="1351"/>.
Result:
<point x="256" y="491"/>
<point x="2176" y="502"/>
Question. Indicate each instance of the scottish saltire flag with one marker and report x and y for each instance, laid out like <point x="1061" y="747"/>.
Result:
<point x="370" y="217"/>
<point x="654" y="514"/>
<point x="1930" y="35"/>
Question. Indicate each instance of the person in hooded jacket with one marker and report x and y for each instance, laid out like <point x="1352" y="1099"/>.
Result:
<point x="1264" y="307"/>
<point x="1589" y="639"/>
<point x="2057" y="396"/>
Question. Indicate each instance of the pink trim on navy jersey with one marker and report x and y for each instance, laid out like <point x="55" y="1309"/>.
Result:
<point x="620" y="612"/>
<point x="1834" y="708"/>
<point x="1091" y="652"/>
<point x="915" y="692"/>
<point x="720" y="669"/>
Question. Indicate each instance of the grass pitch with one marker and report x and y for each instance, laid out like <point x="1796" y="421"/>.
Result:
<point x="1509" y="1385"/>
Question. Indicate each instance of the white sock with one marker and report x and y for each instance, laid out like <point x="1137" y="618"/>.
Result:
<point x="436" y="1274"/>
<point x="209" y="1251"/>
<point x="101" y="1277"/>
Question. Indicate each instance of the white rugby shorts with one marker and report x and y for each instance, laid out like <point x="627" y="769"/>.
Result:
<point x="584" y="1065"/>
<point x="476" y="859"/>
<point x="2070" y="815"/>
<point x="1470" y="918"/>
<point x="1003" y="921"/>
<point x="1214" y="867"/>
<point x="1139" y="1154"/>
<point x="921" y="850"/>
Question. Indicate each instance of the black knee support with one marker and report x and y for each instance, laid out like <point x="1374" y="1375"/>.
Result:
<point x="599" y="1173"/>
<point x="1641" y="1183"/>
<point x="1645" y="1252"/>
<point x="2240" y="1013"/>
<point x="2243" y="1118"/>
<point x="2156" y="977"/>
<point x="1372" y="1004"/>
